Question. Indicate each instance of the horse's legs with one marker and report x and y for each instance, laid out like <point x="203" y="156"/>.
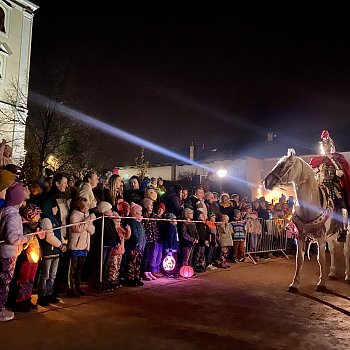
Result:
<point x="347" y="258"/>
<point x="294" y="286"/>
<point x="332" y="249"/>
<point x="321" y="258"/>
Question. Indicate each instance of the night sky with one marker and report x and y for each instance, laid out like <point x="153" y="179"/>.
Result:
<point x="220" y="78"/>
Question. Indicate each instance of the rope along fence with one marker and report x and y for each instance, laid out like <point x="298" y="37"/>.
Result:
<point x="271" y="238"/>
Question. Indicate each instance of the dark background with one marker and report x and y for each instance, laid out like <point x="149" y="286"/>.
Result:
<point x="198" y="72"/>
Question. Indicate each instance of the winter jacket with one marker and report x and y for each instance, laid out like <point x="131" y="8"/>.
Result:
<point x="212" y="233"/>
<point x="225" y="232"/>
<point x="79" y="234"/>
<point x="239" y="231"/>
<point x="11" y="231"/>
<point x="253" y="224"/>
<point x="189" y="233"/>
<point x="203" y="233"/>
<point x="137" y="239"/>
<point x="110" y="234"/>
<point x="151" y="231"/>
<point x="53" y="239"/>
<point x="171" y="237"/>
<point x="214" y="208"/>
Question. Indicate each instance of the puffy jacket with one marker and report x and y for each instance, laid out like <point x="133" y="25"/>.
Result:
<point x="11" y="231"/>
<point x="79" y="234"/>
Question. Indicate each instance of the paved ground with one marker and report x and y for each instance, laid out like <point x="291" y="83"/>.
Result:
<point x="246" y="307"/>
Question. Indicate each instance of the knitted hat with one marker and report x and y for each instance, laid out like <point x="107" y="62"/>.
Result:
<point x="30" y="211"/>
<point x="123" y="206"/>
<point x="186" y="211"/>
<point x="198" y="213"/>
<point x="134" y="208"/>
<point x="161" y="206"/>
<point x="236" y="212"/>
<point x="6" y="178"/>
<point x="15" y="195"/>
<point x="103" y="207"/>
<point x="210" y="214"/>
<point x="145" y="202"/>
<point x="170" y="216"/>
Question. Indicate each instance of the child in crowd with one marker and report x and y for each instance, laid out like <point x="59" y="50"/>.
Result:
<point x="134" y="247"/>
<point x="27" y="261"/>
<point x="239" y="234"/>
<point x="189" y="236"/>
<point x="212" y="242"/>
<point x="12" y="233"/>
<point x="79" y="244"/>
<point x="52" y="246"/>
<point x="117" y="252"/>
<point x="170" y="239"/>
<point x="152" y="256"/>
<point x="199" y="248"/>
<point x="225" y="233"/>
<point x="110" y="240"/>
<point x="254" y="229"/>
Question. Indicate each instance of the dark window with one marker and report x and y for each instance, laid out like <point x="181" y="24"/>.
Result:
<point x="2" y="20"/>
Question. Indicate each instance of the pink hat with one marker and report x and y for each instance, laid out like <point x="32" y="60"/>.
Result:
<point x="134" y="208"/>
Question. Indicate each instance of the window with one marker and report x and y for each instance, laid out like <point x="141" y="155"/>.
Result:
<point x="2" y="20"/>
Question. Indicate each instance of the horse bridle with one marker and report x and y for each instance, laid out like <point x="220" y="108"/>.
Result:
<point x="280" y="177"/>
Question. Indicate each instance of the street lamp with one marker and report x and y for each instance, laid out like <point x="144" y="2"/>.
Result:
<point x="221" y="173"/>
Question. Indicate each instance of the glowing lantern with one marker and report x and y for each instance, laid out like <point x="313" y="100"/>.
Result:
<point x="169" y="262"/>
<point x="34" y="256"/>
<point x="186" y="271"/>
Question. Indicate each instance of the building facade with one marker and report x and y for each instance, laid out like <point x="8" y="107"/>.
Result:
<point x="16" y="22"/>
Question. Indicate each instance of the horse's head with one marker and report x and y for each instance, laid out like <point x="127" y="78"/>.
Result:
<point x="282" y="173"/>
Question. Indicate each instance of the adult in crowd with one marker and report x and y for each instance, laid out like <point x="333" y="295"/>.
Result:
<point x="134" y="193"/>
<point x="90" y="181"/>
<point x="173" y="201"/>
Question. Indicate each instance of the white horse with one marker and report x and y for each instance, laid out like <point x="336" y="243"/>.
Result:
<point x="311" y="218"/>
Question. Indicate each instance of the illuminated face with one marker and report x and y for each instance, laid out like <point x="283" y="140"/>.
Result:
<point x="62" y="184"/>
<point x="93" y="180"/>
<point x="200" y="193"/>
<point x="26" y="193"/>
<point x="184" y="194"/>
<point x="7" y="151"/>
<point x="210" y="198"/>
<point x="160" y="211"/>
<point x="137" y="213"/>
<point x="212" y="218"/>
<point x="35" y="218"/>
<point x="134" y="184"/>
<point x="118" y="182"/>
<point x="149" y="208"/>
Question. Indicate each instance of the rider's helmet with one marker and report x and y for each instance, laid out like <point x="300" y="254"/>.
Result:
<point x="327" y="140"/>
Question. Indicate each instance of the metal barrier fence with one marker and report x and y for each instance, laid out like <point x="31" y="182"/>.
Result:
<point x="272" y="237"/>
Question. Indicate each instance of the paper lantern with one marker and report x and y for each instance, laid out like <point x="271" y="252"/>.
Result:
<point x="169" y="262"/>
<point x="186" y="271"/>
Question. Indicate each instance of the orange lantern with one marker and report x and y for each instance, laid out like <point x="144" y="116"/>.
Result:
<point x="186" y="271"/>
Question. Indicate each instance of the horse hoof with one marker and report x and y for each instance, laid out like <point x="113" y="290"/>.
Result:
<point x="332" y="278"/>
<point x="321" y="288"/>
<point x="292" y="289"/>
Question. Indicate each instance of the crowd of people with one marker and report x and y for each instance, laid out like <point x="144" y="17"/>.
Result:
<point x="51" y="233"/>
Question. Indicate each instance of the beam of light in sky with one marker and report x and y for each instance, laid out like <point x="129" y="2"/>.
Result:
<point x="121" y="134"/>
<point x="213" y="112"/>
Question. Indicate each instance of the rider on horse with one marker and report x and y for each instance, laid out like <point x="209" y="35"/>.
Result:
<point x="333" y="171"/>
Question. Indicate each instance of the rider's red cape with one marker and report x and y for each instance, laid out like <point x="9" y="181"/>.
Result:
<point x="344" y="180"/>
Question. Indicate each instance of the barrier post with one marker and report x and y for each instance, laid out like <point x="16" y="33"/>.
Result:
<point x="101" y="258"/>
